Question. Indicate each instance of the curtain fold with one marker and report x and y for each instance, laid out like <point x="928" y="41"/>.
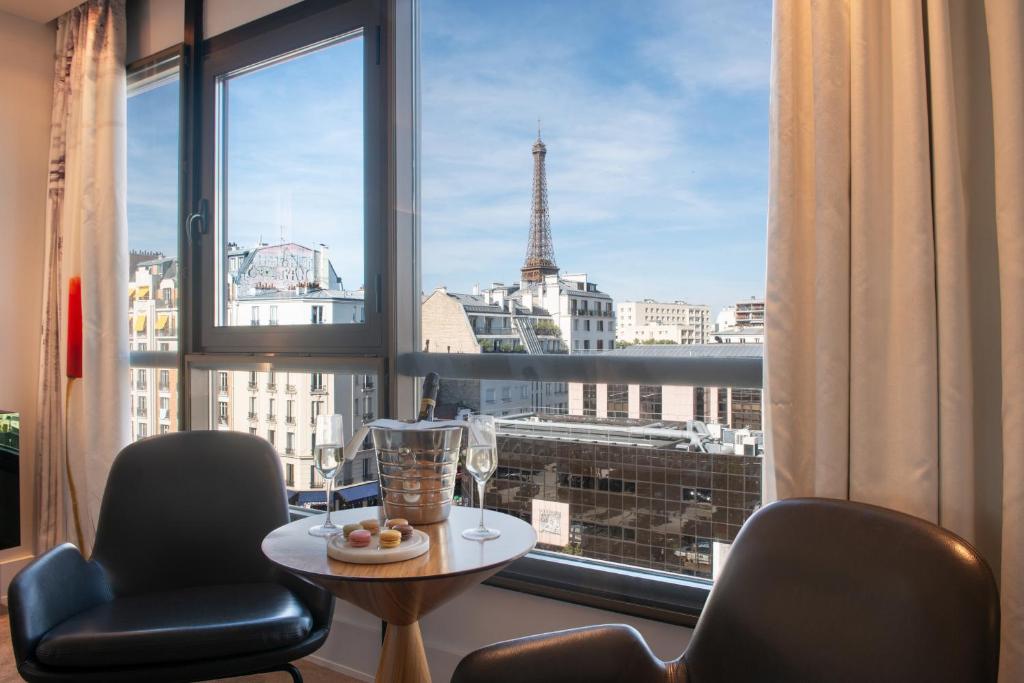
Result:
<point x="896" y="268"/>
<point x="83" y="370"/>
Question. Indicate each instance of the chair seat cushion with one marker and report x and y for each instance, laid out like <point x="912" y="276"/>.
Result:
<point x="183" y="625"/>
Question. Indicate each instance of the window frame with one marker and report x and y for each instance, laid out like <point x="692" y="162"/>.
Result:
<point x="293" y="30"/>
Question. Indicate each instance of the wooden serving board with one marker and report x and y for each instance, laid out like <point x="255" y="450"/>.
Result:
<point x="339" y="549"/>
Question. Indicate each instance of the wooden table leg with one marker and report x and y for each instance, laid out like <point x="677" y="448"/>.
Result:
<point x="402" y="657"/>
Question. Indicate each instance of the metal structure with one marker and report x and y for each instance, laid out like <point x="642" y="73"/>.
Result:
<point x="540" y="253"/>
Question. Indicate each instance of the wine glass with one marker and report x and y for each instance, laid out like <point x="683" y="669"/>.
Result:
<point x="327" y="458"/>
<point x="481" y="461"/>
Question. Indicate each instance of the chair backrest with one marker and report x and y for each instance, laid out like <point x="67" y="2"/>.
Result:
<point x="825" y="590"/>
<point x="190" y="509"/>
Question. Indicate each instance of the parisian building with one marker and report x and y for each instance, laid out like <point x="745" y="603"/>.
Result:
<point x="675" y="322"/>
<point x="284" y="284"/>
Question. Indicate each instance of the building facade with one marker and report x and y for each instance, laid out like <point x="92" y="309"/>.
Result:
<point x="286" y="284"/>
<point x="607" y="493"/>
<point x="674" y="322"/>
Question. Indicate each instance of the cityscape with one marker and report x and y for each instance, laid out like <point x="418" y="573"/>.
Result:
<point x="654" y="476"/>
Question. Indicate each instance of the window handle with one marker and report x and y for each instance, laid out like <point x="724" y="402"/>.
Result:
<point x="195" y="224"/>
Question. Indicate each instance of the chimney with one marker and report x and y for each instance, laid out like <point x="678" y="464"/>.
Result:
<point x="322" y="268"/>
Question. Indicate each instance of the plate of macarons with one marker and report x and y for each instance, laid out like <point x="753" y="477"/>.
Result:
<point x="366" y="542"/>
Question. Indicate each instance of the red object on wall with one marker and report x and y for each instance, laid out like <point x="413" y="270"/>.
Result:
<point x="75" y="327"/>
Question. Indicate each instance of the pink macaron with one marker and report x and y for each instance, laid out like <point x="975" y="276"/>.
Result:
<point x="359" y="538"/>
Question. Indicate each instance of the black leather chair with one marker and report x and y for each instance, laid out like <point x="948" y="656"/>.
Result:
<point x="177" y="588"/>
<point x="814" y="590"/>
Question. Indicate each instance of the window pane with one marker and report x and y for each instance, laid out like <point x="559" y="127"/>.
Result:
<point x="153" y="243"/>
<point x="628" y="223"/>
<point x="252" y="404"/>
<point x="290" y="196"/>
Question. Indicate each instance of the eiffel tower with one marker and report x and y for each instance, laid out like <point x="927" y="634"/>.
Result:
<point x="540" y="253"/>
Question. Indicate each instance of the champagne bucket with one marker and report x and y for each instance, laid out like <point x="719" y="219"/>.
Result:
<point x="417" y="470"/>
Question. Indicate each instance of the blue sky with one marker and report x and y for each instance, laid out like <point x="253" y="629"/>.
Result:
<point x="655" y="115"/>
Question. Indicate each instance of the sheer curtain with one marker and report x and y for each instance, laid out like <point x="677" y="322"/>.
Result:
<point x="895" y="295"/>
<point x="83" y="374"/>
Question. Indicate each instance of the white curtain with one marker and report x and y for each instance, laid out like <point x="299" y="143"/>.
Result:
<point x="895" y="294"/>
<point x="83" y="422"/>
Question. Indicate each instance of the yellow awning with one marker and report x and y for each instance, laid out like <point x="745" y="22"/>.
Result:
<point x="140" y="322"/>
<point x="161" y="321"/>
<point x="131" y="290"/>
<point x="142" y="291"/>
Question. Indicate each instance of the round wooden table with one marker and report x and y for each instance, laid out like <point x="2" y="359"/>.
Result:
<point x="402" y="592"/>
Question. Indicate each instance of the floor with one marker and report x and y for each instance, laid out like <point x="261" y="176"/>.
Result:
<point x="311" y="673"/>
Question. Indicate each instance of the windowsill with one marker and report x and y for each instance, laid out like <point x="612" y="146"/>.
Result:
<point x="636" y="592"/>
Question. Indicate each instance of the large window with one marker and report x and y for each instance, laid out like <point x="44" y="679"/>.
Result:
<point x="585" y="278"/>
<point x="620" y="234"/>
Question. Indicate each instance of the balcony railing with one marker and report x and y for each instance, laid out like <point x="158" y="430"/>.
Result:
<point x="141" y="386"/>
<point x="318" y="389"/>
<point x="271" y="417"/>
<point x="289" y="451"/>
<point x="252" y="415"/>
<point x="289" y="388"/>
<point x="253" y="386"/>
<point x="289" y="419"/>
<point x="140" y="412"/>
<point x="271" y="386"/>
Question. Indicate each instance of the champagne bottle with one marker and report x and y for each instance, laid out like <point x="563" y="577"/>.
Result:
<point x="429" y="399"/>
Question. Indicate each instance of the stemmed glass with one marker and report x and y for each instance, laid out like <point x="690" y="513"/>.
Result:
<point x="481" y="461"/>
<point x="327" y="458"/>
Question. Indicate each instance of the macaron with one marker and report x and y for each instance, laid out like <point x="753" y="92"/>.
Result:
<point x="360" y="538"/>
<point x="371" y="525"/>
<point x="405" y="530"/>
<point x="349" y="528"/>
<point x="397" y="521"/>
<point x="390" y="538"/>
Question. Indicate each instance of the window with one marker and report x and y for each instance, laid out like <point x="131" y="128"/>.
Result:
<point x="254" y="315"/>
<point x="366" y="469"/>
<point x="622" y="175"/>
<point x="292" y="115"/>
<point x="590" y="400"/>
<point x="271" y="437"/>
<point x="289" y="408"/>
<point x="289" y="474"/>
<point x="140" y="404"/>
<point x="271" y="415"/>
<point x="222" y="412"/>
<point x="223" y="382"/>
<point x="618" y="400"/>
<point x="152" y="217"/>
<point x="584" y="430"/>
<point x="650" y="402"/>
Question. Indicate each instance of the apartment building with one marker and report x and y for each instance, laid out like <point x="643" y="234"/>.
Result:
<point x="676" y="322"/>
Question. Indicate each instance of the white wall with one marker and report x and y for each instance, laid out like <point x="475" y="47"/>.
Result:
<point x="478" y="617"/>
<point x="26" y="76"/>
<point x="155" y="25"/>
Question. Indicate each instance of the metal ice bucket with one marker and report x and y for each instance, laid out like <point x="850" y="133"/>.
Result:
<point x="417" y="470"/>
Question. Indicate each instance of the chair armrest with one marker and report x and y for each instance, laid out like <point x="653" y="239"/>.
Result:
<point x="595" y="654"/>
<point x="318" y="600"/>
<point x="54" y="587"/>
